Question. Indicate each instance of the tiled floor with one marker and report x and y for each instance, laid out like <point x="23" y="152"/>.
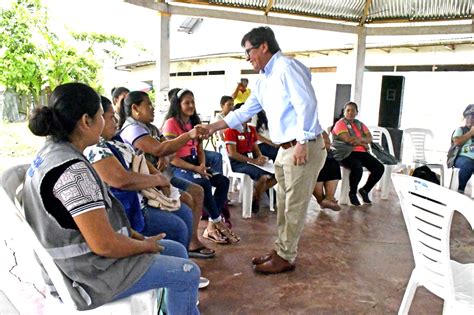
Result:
<point x="356" y="261"/>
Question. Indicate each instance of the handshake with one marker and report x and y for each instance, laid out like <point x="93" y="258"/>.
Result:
<point x="201" y="131"/>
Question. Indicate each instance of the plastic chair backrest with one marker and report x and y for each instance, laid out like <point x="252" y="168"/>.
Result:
<point x="377" y="136"/>
<point x="418" y="141"/>
<point x="221" y="148"/>
<point x="428" y="211"/>
<point x="11" y="181"/>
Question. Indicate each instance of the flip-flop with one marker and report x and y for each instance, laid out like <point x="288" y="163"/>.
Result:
<point x="201" y="252"/>
<point x="203" y="282"/>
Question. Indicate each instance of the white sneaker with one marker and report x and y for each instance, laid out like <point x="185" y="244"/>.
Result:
<point x="203" y="282"/>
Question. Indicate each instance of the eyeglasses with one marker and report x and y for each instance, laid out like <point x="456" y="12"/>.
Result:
<point x="247" y="51"/>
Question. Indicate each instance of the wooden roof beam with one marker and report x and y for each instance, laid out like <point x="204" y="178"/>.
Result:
<point x="269" y="6"/>
<point x="450" y="47"/>
<point x="363" y="18"/>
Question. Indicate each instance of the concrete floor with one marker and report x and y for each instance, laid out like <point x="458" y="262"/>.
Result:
<point x="356" y="261"/>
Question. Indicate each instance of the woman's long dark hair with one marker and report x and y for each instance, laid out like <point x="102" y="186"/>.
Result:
<point x="262" y="121"/>
<point x="135" y="97"/>
<point x="66" y="106"/>
<point x="117" y="91"/>
<point x="175" y="109"/>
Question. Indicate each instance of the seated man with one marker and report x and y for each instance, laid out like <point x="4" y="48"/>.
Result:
<point x="243" y="149"/>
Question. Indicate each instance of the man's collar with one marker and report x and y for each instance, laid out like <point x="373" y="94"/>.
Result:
<point x="269" y="66"/>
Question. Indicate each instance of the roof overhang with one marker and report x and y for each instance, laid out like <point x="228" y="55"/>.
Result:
<point x="331" y="15"/>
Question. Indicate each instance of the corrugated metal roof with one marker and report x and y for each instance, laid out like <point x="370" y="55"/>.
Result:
<point x="353" y="10"/>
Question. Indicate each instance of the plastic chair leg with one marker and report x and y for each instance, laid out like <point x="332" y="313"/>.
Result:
<point x="344" y="195"/>
<point x="454" y="184"/>
<point x="271" y="192"/>
<point x="246" y="191"/>
<point x="409" y="294"/>
<point x="385" y="181"/>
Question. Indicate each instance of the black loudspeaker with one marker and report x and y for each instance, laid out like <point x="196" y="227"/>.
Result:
<point x="391" y="101"/>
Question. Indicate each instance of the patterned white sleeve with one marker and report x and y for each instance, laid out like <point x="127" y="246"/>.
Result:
<point x="78" y="190"/>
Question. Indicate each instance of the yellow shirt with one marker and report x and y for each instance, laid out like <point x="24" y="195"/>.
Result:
<point x="242" y="97"/>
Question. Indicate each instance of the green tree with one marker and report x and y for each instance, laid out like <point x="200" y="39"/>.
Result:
<point x="20" y="66"/>
<point x="32" y="57"/>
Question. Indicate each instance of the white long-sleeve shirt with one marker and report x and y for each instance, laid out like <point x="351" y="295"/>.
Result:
<point x="285" y="92"/>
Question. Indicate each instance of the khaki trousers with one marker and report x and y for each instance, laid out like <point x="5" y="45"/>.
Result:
<point x="295" y="188"/>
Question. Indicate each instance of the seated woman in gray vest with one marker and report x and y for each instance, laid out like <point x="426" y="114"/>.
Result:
<point x="81" y="224"/>
<point x="351" y="140"/>
<point x="112" y="159"/>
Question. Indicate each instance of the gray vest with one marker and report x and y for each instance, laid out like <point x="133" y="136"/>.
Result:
<point x="341" y="148"/>
<point x="93" y="280"/>
<point x="153" y="131"/>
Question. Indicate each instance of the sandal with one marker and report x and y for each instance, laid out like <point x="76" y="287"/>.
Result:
<point x="228" y="233"/>
<point x="215" y="236"/>
<point x="201" y="252"/>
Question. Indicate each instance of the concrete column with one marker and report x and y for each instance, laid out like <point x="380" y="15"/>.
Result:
<point x="360" y="65"/>
<point x="161" y="80"/>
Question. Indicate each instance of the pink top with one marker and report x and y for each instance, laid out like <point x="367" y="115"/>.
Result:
<point x="340" y="128"/>
<point x="172" y="129"/>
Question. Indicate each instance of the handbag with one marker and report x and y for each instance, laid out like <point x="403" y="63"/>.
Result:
<point x="382" y="155"/>
<point x="452" y="155"/>
<point x="155" y="197"/>
<point x="454" y="149"/>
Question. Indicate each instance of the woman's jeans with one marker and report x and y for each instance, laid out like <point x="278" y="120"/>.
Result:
<point x="178" y="225"/>
<point x="268" y="150"/>
<point x="355" y="162"/>
<point x="466" y="169"/>
<point x="213" y="203"/>
<point x="172" y="270"/>
<point x="214" y="160"/>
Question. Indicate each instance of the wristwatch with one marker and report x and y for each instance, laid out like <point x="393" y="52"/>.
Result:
<point x="303" y="141"/>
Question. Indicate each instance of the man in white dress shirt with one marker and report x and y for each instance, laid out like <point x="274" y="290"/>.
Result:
<point x="285" y="92"/>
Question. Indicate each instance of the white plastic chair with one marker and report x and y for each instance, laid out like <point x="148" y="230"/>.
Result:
<point x="246" y="183"/>
<point x="344" y="192"/>
<point x="378" y="133"/>
<point x="11" y="182"/>
<point x="417" y="138"/>
<point x="428" y="211"/>
<point x="454" y="184"/>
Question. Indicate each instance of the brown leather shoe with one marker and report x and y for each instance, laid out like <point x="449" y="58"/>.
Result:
<point x="274" y="265"/>
<point x="261" y="259"/>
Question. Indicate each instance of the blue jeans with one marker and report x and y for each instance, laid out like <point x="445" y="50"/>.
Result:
<point x="174" y="271"/>
<point x="180" y="183"/>
<point x="268" y="150"/>
<point x="214" y="161"/>
<point x="212" y="203"/>
<point x="251" y="170"/>
<point x="178" y="225"/>
<point x="466" y="169"/>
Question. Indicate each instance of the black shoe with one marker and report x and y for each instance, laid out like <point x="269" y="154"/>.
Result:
<point x="365" y="196"/>
<point x="354" y="200"/>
